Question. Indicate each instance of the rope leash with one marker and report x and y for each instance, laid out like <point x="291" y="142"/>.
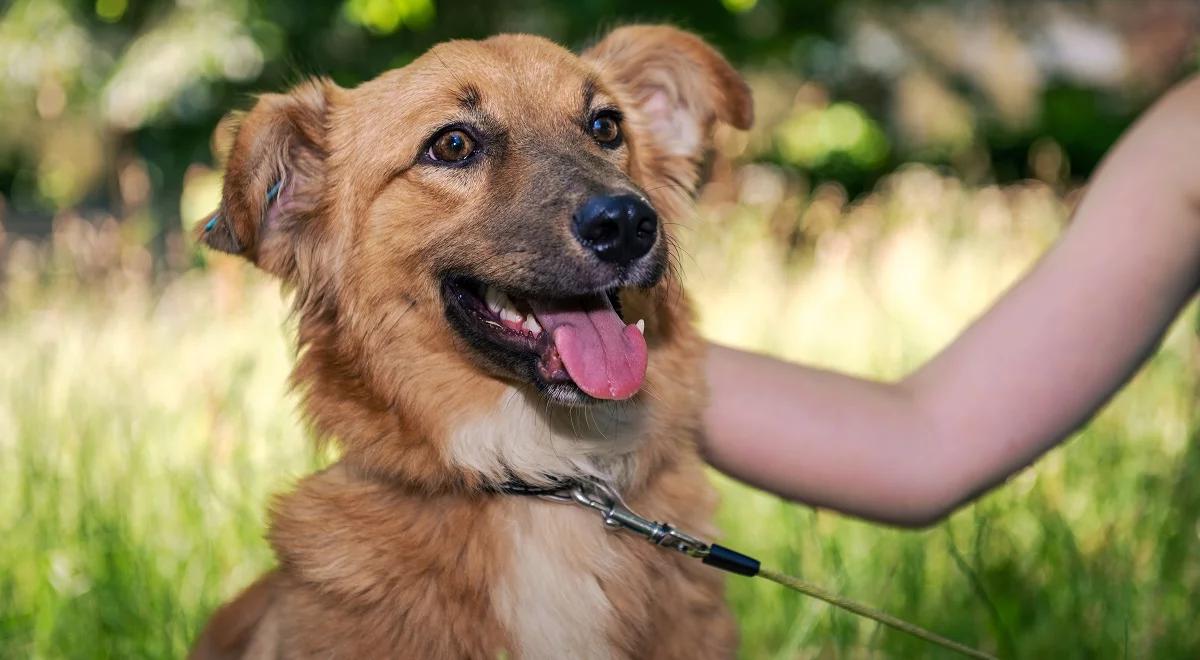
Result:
<point x="886" y="619"/>
<point x="618" y="516"/>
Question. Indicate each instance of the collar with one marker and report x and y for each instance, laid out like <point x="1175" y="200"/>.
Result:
<point x="516" y="486"/>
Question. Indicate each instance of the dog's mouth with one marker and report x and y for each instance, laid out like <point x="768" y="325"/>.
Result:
<point x="576" y="350"/>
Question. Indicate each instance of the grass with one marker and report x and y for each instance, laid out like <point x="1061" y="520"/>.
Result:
<point x="145" y="423"/>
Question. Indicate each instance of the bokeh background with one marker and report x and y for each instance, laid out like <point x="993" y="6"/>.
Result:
<point x="910" y="160"/>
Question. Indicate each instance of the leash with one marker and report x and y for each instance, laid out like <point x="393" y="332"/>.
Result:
<point x="600" y="497"/>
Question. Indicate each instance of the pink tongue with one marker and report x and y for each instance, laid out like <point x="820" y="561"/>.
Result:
<point x="605" y="357"/>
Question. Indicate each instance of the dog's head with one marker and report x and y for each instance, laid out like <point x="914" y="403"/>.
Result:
<point x="497" y="209"/>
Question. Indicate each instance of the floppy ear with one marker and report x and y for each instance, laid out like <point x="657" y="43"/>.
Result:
<point x="679" y="86"/>
<point x="274" y="178"/>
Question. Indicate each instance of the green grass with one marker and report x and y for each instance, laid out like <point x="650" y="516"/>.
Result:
<point x="143" y="429"/>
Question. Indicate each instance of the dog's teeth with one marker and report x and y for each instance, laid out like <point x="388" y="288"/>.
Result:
<point x="495" y="299"/>
<point x="532" y="325"/>
<point x="641" y="326"/>
<point x="507" y="313"/>
<point x="499" y="304"/>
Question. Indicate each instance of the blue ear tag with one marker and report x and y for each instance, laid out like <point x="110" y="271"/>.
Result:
<point x="271" y="195"/>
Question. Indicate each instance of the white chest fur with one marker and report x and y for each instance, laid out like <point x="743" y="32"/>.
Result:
<point x="549" y="597"/>
<point x="524" y="437"/>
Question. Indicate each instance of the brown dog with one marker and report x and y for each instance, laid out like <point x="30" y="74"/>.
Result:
<point x="479" y="248"/>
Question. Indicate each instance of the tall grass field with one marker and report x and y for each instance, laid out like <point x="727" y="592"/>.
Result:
<point x="145" y="423"/>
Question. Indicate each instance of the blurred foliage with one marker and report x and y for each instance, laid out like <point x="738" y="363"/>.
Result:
<point x="109" y="105"/>
<point x="144" y="418"/>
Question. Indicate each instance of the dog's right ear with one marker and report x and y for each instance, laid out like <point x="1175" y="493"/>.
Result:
<point x="676" y="87"/>
<point x="274" y="178"/>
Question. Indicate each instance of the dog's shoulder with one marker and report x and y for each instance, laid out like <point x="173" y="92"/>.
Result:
<point x="245" y="627"/>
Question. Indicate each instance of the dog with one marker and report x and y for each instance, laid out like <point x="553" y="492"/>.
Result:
<point x="479" y="249"/>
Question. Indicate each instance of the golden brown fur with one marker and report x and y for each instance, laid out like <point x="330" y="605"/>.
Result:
<point x="399" y="550"/>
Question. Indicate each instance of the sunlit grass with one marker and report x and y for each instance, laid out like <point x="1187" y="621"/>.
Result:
<point x="143" y="429"/>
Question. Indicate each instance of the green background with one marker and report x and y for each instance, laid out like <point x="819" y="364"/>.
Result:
<point x="909" y="161"/>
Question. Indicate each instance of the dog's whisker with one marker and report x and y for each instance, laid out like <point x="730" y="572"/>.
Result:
<point x="598" y="427"/>
<point x="508" y="399"/>
<point x="463" y="87"/>
<point x="571" y="417"/>
<point x="653" y="395"/>
<point x="682" y="225"/>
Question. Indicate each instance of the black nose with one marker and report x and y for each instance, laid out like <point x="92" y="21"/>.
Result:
<point x="617" y="228"/>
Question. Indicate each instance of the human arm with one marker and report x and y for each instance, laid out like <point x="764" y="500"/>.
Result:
<point x="1031" y="370"/>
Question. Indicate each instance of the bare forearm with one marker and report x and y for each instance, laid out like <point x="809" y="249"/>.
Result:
<point x="1074" y="330"/>
<point x="1017" y="382"/>
<point x="822" y="438"/>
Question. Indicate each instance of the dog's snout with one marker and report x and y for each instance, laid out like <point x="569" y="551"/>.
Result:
<point x="617" y="228"/>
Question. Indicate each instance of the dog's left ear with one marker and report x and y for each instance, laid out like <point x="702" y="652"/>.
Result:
<point x="678" y="84"/>
<point x="274" y="178"/>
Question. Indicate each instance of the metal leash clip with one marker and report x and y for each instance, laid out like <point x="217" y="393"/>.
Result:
<point x="601" y="497"/>
<point x="617" y="515"/>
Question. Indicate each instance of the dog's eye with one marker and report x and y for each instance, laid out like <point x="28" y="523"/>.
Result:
<point x="452" y="146"/>
<point x="606" y="129"/>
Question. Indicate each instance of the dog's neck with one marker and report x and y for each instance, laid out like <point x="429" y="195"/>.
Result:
<point x="526" y="440"/>
<point x="442" y="441"/>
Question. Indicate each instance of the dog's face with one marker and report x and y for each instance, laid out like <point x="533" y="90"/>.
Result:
<point x="511" y="192"/>
<point x="498" y="207"/>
